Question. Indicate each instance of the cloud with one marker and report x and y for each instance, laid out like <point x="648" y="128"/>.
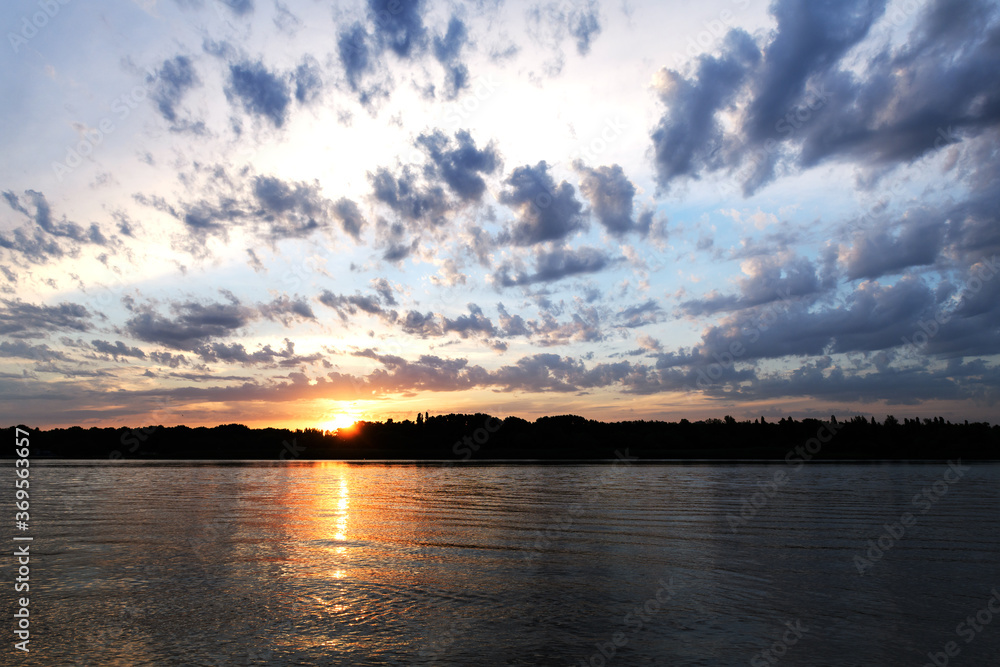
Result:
<point x="553" y="22"/>
<point x="447" y="51"/>
<point x="174" y="78"/>
<point x="611" y="196"/>
<point x="475" y="323"/>
<point x="404" y="196"/>
<point x="688" y="136"/>
<point x="308" y="80"/>
<point x="554" y="265"/>
<point x="291" y="210"/>
<point x="460" y="166"/>
<point x="19" y="349"/>
<point x="19" y="319"/>
<point x="355" y="54"/>
<point x="119" y="349"/>
<point x="547" y="212"/>
<point x="236" y="353"/>
<point x="805" y="94"/>
<point x="346" y="305"/>
<point x="351" y="220"/>
<point x="259" y="91"/>
<point x="769" y="278"/>
<point x="44" y="238"/>
<point x="877" y="252"/>
<point x="286" y="310"/>
<point x="399" y="25"/>
<point x="193" y="324"/>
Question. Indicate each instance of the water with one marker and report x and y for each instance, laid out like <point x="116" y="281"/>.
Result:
<point x="368" y="564"/>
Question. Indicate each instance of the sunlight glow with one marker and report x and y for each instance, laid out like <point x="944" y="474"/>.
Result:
<point x="342" y="421"/>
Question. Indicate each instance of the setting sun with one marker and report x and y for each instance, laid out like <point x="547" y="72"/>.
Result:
<point x="340" y="421"/>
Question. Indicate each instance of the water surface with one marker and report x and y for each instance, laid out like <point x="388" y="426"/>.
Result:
<point x="390" y="564"/>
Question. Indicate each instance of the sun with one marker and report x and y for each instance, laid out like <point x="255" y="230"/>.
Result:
<point x="342" y="420"/>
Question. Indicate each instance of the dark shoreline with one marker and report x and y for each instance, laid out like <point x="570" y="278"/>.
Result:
<point x="563" y="439"/>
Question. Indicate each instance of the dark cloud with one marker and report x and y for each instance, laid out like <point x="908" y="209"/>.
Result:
<point x="555" y="265"/>
<point x="119" y="349"/>
<point x="356" y="55"/>
<point x="346" y="305"/>
<point x="880" y="251"/>
<point x="399" y="25"/>
<point x="291" y="210"/>
<point x="174" y="78"/>
<point x="236" y="353"/>
<point x="260" y="91"/>
<point x="420" y="324"/>
<point x="553" y="22"/>
<point x="475" y="323"/>
<point x="265" y="205"/>
<point x="308" y="80"/>
<point x="20" y="349"/>
<point x="770" y="279"/>
<point x="688" y="136"/>
<point x="460" y="166"/>
<point x="547" y="212"/>
<point x="45" y="238"/>
<point x="194" y="323"/>
<point x="19" y="319"/>
<point x="611" y="195"/>
<point x="647" y="312"/>
<point x="405" y="196"/>
<point x="447" y="50"/>
<point x="351" y="220"/>
<point x="393" y="238"/>
<point x="285" y="309"/>
<point x="384" y="290"/>
<point x="239" y="7"/>
<point x="807" y="100"/>
<point x="584" y="24"/>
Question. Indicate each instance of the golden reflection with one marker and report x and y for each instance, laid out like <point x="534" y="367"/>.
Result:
<point x="343" y="502"/>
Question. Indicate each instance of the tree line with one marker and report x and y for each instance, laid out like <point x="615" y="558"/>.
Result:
<point x="471" y="437"/>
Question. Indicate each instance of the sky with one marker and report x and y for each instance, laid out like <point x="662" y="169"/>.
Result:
<point x="309" y="212"/>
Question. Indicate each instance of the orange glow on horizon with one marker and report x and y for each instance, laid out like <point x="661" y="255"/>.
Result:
<point x="342" y="424"/>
